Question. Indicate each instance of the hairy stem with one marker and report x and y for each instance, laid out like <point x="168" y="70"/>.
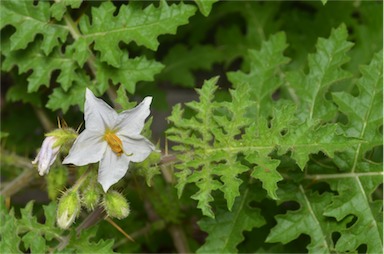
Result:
<point x="44" y="120"/>
<point x="178" y="235"/>
<point x="21" y="181"/>
<point x="76" y="34"/>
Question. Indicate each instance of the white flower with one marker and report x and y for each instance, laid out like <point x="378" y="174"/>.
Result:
<point x="111" y="138"/>
<point x="47" y="155"/>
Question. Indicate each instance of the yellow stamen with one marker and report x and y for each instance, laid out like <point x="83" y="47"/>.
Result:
<point x="114" y="142"/>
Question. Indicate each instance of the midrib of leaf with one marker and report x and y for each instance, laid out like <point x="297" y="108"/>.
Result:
<point x="38" y="20"/>
<point x="42" y="22"/>
<point x="239" y="149"/>
<point x="24" y="229"/>
<point x="254" y="20"/>
<point x="238" y="212"/>
<point x="258" y="148"/>
<point x="343" y="175"/>
<point x="170" y="67"/>
<point x="313" y="102"/>
<point x="74" y="31"/>
<point x="71" y="27"/>
<point x="59" y="58"/>
<point x="317" y="88"/>
<point x="207" y="122"/>
<point x="226" y="231"/>
<point x="182" y="61"/>
<point x="308" y="204"/>
<point x="367" y="203"/>
<point x="362" y="133"/>
<point x="366" y="116"/>
<point x="137" y="27"/>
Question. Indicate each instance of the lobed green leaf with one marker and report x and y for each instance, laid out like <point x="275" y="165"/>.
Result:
<point x="354" y="197"/>
<point x="84" y="244"/>
<point x="205" y="6"/>
<point x="263" y="78"/>
<point x="308" y="219"/>
<point x="128" y="74"/>
<point x="364" y="112"/>
<point x="29" y="21"/>
<point x="43" y="66"/>
<point x="325" y="69"/>
<point x="225" y="232"/>
<point x="26" y="229"/>
<point x="350" y="209"/>
<point x="179" y="70"/>
<point x="221" y="138"/>
<point x="59" y="8"/>
<point x="132" y="23"/>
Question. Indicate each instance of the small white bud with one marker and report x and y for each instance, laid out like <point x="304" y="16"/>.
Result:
<point x="47" y="155"/>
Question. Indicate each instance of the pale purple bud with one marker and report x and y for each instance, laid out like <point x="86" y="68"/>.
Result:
<point x="47" y="155"/>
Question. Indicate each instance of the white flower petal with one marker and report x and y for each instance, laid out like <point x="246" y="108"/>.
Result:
<point x="112" y="168"/>
<point x="98" y="115"/>
<point x="89" y="147"/>
<point x="138" y="148"/>
<point x="131" y="122"/>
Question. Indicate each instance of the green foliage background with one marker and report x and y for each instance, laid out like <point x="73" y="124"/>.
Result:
<point x="278" y="148"/>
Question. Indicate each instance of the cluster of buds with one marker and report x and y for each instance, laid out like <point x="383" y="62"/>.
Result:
<point x="110" y="138"/>
<point x="114" y="204"/>
<point x="86" y="192"/>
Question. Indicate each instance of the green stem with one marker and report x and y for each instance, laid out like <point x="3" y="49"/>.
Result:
<point x="81" y="180"/>
<point x="176" y="231"/>
<point x="22" y="180"/>
<point x="76" y="34"/>
<point x="44" y="120"/>
<point x="72" y="27"/>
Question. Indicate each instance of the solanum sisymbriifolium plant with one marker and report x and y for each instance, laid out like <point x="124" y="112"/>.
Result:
<point x="195" y="126"/>
<point x="111" y="138"/>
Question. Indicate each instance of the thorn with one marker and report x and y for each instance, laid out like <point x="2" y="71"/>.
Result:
<point x="119" y="228"/>
<point x="166" y="146"/>
<point x="64" y="123"/>
<point x="61" y="122"/>
<point x="78" y="128"/>
<point x="8" y="202"/>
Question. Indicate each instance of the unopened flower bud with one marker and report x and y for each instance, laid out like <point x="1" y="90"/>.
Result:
<point x="64" y="136"/>
<point x="116" y="205"/>
<point x="90" y="198"/>
<point x="47" y="155"/>
<point x="68" y="209"/>
<point x="51" y="147"/>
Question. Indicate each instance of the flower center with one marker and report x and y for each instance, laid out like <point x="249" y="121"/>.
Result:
<point x="114" y="142"/>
